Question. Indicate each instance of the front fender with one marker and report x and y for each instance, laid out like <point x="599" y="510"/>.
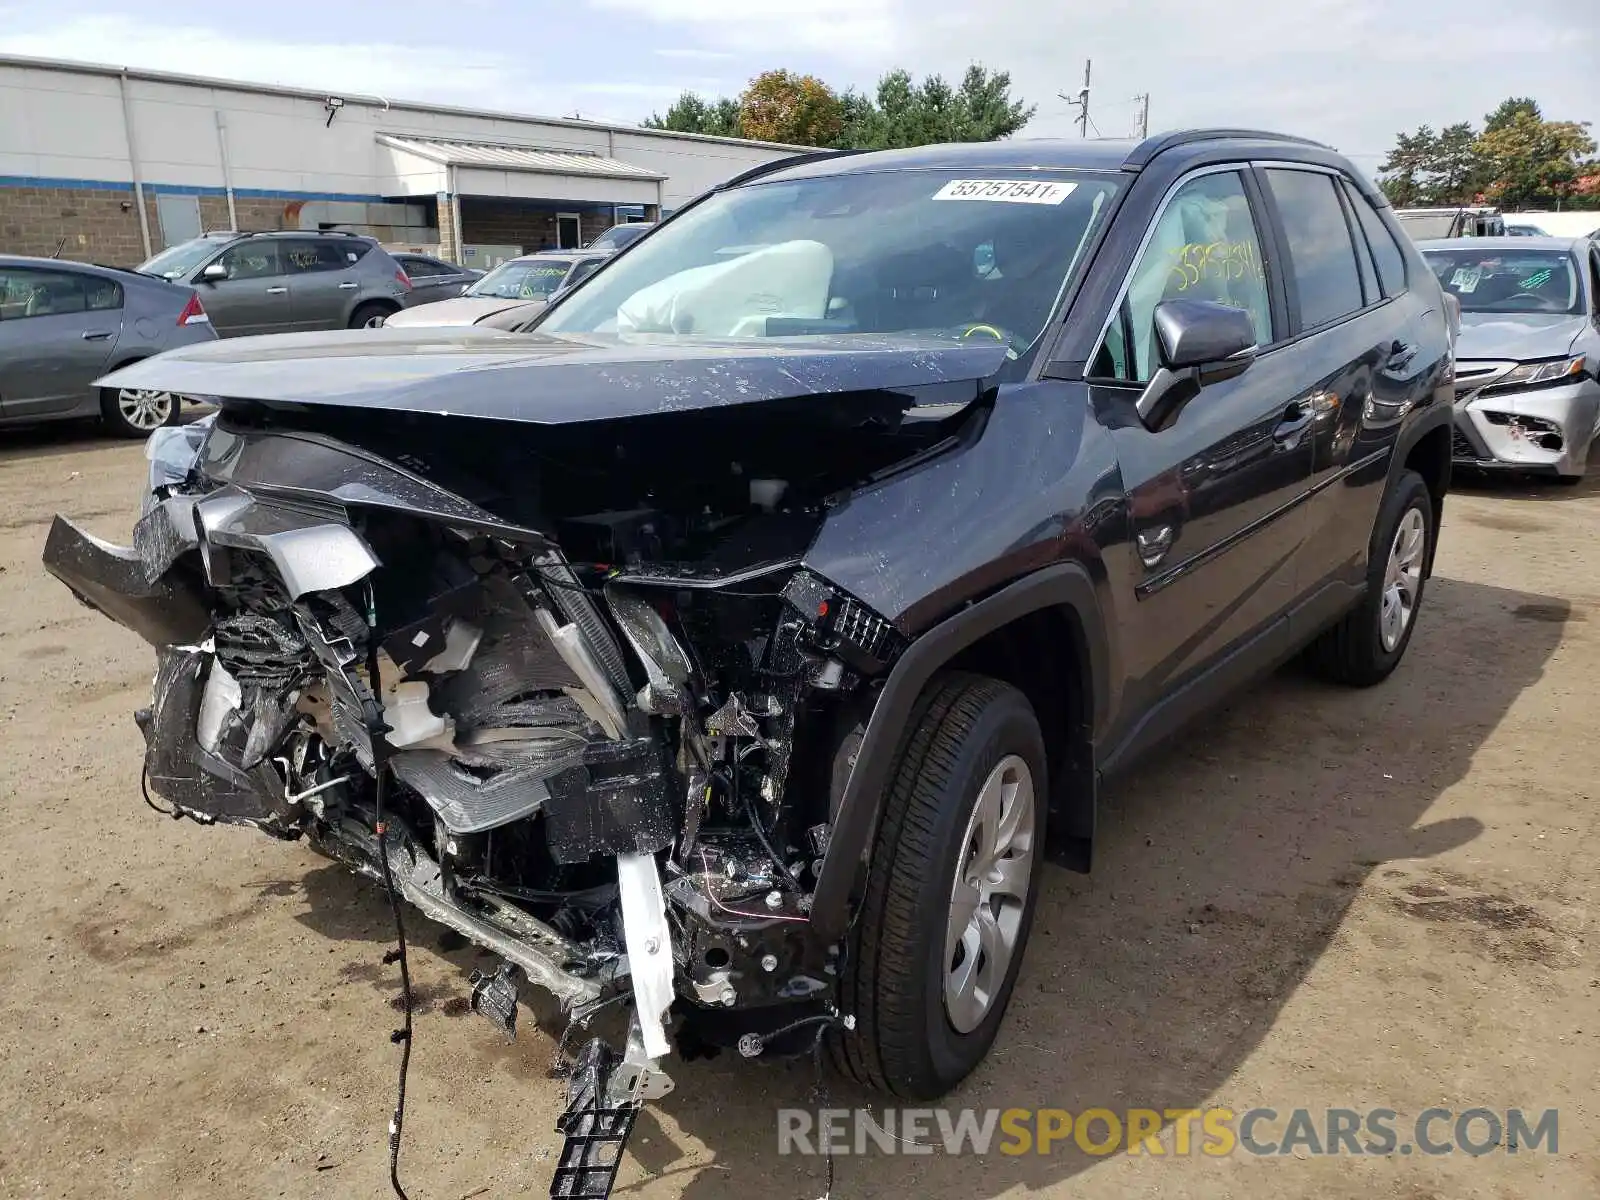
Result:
<point x="861" y="805"/>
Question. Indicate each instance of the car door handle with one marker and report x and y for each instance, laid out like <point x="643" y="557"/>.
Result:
<point x="349" y="286"/>
<point x="1293" y="423"/>
<point x="95" y="335"/>
<point x="276" y="291"/>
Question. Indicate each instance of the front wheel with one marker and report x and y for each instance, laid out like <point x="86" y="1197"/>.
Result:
<point x="935" y="949"/>
<point x="1364" y="647"/>
<point x="137" y="412"/>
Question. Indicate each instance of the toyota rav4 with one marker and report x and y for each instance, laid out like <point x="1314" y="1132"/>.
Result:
<point x="744" y="639"/>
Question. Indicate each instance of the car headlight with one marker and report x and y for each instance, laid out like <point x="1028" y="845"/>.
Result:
<point x="1537" y="374"/>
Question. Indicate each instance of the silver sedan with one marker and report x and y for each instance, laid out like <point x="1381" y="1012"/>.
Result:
<point x="64" y="325"/>
<point x="1528" y="356"/>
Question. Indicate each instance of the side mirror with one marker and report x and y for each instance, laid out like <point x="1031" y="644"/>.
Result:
<point x="214" y="273"/>
<point x="1200" y="343"/>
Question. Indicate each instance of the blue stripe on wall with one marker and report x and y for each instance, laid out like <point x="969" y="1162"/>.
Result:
<point x="179" y="189"/>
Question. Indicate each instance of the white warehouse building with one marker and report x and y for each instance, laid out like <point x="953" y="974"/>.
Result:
<point x="110" y="164"/>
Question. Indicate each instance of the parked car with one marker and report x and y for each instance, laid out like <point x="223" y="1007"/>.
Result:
<point x="618" y="236"/>
<point x="63" y="325"/>
<point x="287" y="282"/>
<point x="1458" y="222"/>
<point x="434" y="279"/>
<point x="526" y="283"/>
<point x="1527" y="375"/>
<point x="1521" y="230"/>
<point x="765" y="618"/>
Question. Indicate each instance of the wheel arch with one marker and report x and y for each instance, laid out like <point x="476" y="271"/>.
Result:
<point x="1001" y="635"/>
<point x="1425" y="449"/>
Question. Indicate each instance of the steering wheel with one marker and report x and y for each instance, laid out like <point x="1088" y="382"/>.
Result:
<point x="1539" y="300"/>
<point x="1014" y="345"/>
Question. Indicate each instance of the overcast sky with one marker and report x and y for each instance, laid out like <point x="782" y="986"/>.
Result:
<point x="1350" y="72"/>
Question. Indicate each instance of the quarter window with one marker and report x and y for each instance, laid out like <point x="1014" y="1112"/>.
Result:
<point x="1391" y="263"/>
<point x="1322" y="257"/>
<point x="1205" y="246"/>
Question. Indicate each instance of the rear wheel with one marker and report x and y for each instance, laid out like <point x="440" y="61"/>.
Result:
<point x="371" y="315"/>
<point x="935" y="949"/>
<point x="1364" y="647"/>
<point x="137" y="412"/>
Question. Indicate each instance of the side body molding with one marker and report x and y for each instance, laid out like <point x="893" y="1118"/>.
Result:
<point x="1063" y="584"/>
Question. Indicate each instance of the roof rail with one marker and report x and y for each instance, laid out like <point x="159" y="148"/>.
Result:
<point x="1139" y="157"/>
<point x="794" y="160"/>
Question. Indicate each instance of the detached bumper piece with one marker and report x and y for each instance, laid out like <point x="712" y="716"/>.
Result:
<point x="596" y="1127"/>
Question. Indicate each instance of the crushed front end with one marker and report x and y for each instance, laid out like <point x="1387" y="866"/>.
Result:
<point x="612" y="710"/>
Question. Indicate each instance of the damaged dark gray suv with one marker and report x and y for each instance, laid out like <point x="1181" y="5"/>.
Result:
<point x="746" y="636"/>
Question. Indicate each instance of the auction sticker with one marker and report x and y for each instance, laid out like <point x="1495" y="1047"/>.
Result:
<point x="1006" y="191"/>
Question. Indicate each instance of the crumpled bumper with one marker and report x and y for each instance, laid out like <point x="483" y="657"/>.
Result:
<point x="1542" y="429"/>
<point x="168" y="610"/>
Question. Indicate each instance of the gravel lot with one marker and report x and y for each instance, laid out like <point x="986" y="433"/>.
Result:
<point x="1319" y="898"/>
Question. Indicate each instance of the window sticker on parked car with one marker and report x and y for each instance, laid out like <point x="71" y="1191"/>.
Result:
<point x="1538" y="279"/>
<point x="1466" y="279"/>
<point x="1006" y="191"/>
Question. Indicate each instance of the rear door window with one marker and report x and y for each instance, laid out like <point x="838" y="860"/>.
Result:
<point x="1322" y="258"/>
<point x="311" y="256"/>
<point x="27" y="292"/>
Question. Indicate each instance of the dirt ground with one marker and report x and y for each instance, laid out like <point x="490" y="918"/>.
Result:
<point x="1319" y="898"/>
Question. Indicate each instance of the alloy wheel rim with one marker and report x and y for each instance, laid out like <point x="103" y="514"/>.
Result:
<point x="1402" y="581"/>
<point x="990" y="894"/>
<point x="375" y="321"/>
<point x="144" y="409"/>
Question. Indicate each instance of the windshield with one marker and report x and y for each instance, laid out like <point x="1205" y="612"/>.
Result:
<point x="619" y="236"/>
<point x="522" y="279"/>
<point x="1508" y="281"/>
<point x="905" y="251"/>
<point x="175" y="262"/>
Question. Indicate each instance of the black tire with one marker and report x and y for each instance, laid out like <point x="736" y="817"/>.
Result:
<point x="1352" y="652"/>
<point x="370" y="311"/>
<point x="119" y="424"/>
<point x="903" y="1042"/>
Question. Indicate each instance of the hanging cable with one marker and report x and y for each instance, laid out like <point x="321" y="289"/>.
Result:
<point x="380" y="766"/>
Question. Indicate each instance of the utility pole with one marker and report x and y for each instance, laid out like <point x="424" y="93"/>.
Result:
<point x="1081" y="101"/>
<point x="1143" y="119"/>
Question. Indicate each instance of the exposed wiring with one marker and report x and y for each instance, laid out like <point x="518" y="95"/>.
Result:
<point x="705" y="865"/>
<point x="144" y="788"/>
<point x="380" y="766"/>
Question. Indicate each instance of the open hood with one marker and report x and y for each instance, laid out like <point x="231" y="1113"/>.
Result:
<point x="552" y="380"/>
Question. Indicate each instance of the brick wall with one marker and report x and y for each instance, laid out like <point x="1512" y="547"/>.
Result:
<point x="99" y="225"/>
<point x="507" y="223"/>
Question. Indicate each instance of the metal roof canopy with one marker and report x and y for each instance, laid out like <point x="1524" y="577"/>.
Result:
<point x="501" y="169"/>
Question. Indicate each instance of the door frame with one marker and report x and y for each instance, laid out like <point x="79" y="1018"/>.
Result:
<point x="577" y="225"/>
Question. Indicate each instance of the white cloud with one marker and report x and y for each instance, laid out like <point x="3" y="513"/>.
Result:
<point x="694" y="54"/>
<point x="393" y="70"/>
<point x="1351" y="72"/>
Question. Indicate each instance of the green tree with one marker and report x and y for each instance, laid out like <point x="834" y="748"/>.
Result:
<point x="690" y="113"/>
<point x="780" y="106"/>
<point x="1405" y="174"/>
<point x="1456" y="168"/>
<point x="802" y="110"/>
<point x="1529" y="161"/>
<point x="1509" y="109"/>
